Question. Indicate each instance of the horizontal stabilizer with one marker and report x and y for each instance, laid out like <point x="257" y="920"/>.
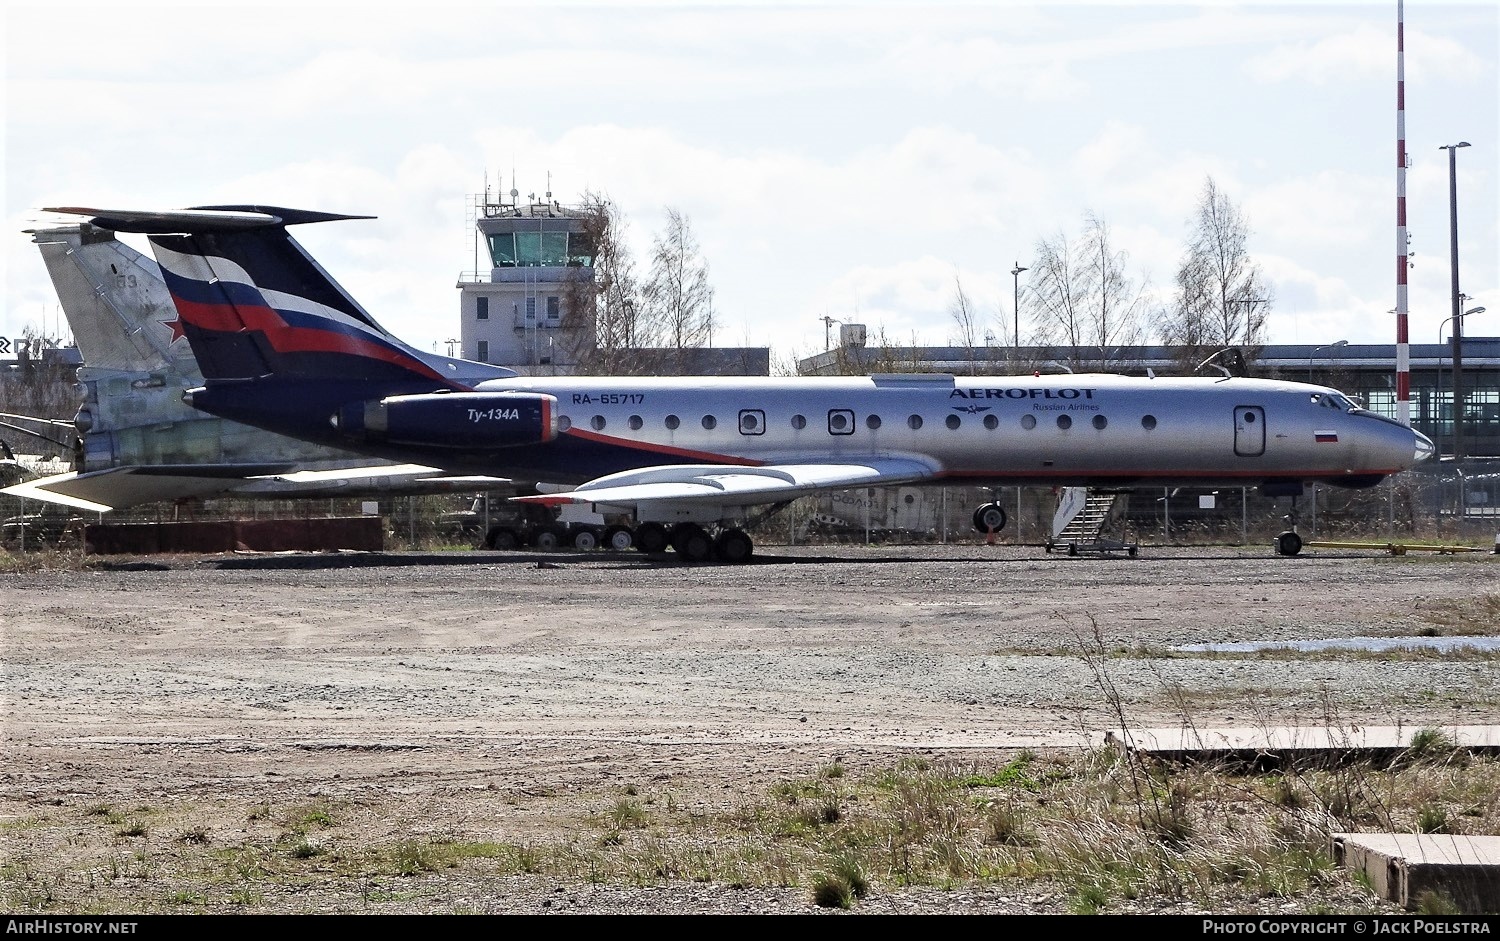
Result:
<point x="198" y="219"/>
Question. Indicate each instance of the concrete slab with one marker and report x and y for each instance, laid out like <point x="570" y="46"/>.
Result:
<point x="1273" y="746"/>
<point x="1406" y="867"/>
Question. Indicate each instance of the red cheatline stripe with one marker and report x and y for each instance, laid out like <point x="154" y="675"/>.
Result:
<point x="288" y="339"/>
<point x="1163" y="475"/>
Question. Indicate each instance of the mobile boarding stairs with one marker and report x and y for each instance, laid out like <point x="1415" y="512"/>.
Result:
<point x="1082" y="518"/>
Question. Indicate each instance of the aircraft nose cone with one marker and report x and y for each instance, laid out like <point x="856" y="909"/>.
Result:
<point x="1423" y="448"/>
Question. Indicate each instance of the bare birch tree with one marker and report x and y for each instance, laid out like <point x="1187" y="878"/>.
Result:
<point x="1222" y="295"/>
<point x="611" y="299"/>
<point x="1085" y="301"/>
<point x="1120" y="313"/>
<point x="965" y="319"/>
<point x="678" y="297"/>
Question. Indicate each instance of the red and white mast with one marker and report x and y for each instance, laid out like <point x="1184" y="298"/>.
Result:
<point x="1403" y="347"/>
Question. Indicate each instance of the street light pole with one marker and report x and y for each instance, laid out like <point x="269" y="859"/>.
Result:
<point x="1458" y="314"/>
<point x="1329" y="346"/>
<point x="1015" y="307"/>
<point x="1439" y="383"/>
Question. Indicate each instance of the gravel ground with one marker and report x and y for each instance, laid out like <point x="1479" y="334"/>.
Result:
<point x="431" y="689"/>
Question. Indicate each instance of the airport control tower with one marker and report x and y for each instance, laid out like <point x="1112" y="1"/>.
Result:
<point x="532" y="308"/>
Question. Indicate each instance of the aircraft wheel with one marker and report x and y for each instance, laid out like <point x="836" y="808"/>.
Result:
<point x="989" y="518"/>
<point x="585" y="539"/>
<point x="546" y="540"/>
<point x="734" y="545"/>
<point x="1288" y="543"/>
<point x="618" y="538"/>
<point x="691" y="542"/>
<point x="502" y="539"/>
<point x="651" y="538"/>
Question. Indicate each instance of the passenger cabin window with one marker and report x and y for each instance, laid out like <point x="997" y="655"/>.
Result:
<point x="1064" y="422"/>
<point x="799" y="422"/>
<point x="953" y="421"/>
<point x="872" y="422"/>
<point x="635" y="423"/>
<point x="597" y="422"/>
<point x="991" y="422"/>
<point x="672" y="422"/>
<point x="1028" y="422"/>
<point x="1148" y="422"/>
<point x="1100" y="422"/>
<point x="710" y="423"/>
<point x="914" y="422"/>
<point x="752" y="421"/>
<point x="840" y="421"/>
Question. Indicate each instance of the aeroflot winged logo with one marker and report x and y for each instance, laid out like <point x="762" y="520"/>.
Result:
<point x="1022" y="394"/>
<point x="972" y="409"/>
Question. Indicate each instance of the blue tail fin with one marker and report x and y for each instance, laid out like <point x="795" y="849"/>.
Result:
<point x="254" y="304"/>
<point x="279" y="342"/>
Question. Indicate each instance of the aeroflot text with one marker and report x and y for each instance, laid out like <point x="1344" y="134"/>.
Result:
<point x="1021" y="394"/>
<point x="1413" y="926"/>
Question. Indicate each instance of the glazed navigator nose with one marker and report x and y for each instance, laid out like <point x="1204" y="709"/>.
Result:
<point x="1423" y="448"/>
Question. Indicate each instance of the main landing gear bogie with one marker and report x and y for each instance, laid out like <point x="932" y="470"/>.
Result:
<point x="693" y="543"/>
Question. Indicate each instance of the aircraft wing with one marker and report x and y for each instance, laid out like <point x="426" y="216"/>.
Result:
<point x="121" y="487"/>
<point x="727" y="485"/>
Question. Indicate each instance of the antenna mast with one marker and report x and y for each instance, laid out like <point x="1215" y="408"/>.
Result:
<point x="1403" y="347"/>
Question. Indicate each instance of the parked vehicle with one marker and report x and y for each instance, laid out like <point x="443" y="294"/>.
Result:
<point x="505" y="525"/>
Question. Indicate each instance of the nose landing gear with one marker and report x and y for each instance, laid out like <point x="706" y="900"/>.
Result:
<point x="1289" y="543"/>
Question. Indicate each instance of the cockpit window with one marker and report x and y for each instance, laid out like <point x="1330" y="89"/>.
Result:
<point x="1334" y="401"/>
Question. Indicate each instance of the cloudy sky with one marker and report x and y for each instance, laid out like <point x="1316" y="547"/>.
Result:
<point x="844" y="160"/>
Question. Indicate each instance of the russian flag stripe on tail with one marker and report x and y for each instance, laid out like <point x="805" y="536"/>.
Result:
<point x="1326" y="437"/>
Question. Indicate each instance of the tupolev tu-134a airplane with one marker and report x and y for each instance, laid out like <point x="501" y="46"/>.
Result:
<point x="282" y="346"/>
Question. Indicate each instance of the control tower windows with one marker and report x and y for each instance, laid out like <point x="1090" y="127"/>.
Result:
<point x="580" y="250"/>
<point x="554" y="307"/>
<point x="539" y="249"/>
<point x="482" y="307"/>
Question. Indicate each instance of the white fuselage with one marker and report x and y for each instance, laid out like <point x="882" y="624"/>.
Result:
<point x="1068" y="429"/>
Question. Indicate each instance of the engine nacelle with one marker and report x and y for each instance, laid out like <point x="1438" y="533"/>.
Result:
<point x="453" y="419"/>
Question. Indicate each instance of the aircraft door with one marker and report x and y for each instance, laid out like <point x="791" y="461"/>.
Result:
<point x="1249" y="430"/>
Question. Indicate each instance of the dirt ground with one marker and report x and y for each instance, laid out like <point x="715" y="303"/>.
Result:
<point x="432" y="690"/>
